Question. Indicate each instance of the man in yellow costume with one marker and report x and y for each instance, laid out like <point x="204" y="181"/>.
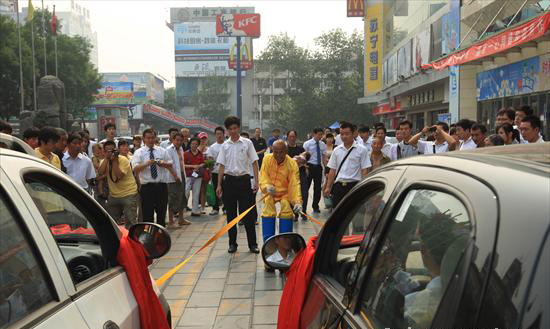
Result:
<point x="280" y="181"/>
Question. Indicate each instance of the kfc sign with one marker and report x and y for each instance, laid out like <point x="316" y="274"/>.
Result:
<point x="238" y="25"/>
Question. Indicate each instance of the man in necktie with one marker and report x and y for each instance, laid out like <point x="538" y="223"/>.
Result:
<point x="153" y="165"/>
<point x="317" y="149"/>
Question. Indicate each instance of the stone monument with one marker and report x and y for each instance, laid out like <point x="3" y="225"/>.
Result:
<point x="50" y="103"/>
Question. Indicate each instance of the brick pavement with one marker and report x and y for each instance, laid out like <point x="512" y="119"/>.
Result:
<point x="219" y="290"/>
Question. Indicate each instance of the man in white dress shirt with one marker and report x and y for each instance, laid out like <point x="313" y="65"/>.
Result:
<point x="151" y="164"/>
<point x="317" y="149"/>
<point x="463" y="130"/>
<point x="236" y="155"/>
<point x="365" y="138"/>
<point x="349" y="163"/>
<point x="79" y="166"/>
<point x="176" y="181"/>
<point x="171" y="134"/>
<point x="212" y="154"/>
<point x="530" y="129"/>
<point x="403" y="149"/>
<point x="443" y="141"/>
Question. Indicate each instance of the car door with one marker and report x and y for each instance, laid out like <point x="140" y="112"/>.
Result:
<point x="79" y="230"/>
<point x="335" y="268"/>
<point x="427" y="255"/>
<point x="31" y="289"/>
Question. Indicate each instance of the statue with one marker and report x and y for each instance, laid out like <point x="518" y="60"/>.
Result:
<point x="50" y="103"/>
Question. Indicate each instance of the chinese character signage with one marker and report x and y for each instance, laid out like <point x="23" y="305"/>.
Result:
<point x="356" y="8"/>
<point x="238" y="25"/>
<point x="190" y="14"/>
<point x="510" y="80"/>
<point x="373" y="49"/>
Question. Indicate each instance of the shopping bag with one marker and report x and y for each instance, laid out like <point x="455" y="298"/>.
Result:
<point x="210" y="195"/>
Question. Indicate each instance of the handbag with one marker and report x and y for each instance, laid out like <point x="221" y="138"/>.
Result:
<point x="210" y="195"/>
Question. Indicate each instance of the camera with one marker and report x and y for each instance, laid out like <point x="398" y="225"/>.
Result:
<point x="432" y="129"/>
<point x="116" y="153"/>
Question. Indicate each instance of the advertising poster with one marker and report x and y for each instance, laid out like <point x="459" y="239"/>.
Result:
<point x="115" y="93"/>
<point x="436" y="40"/>
<point x="450" y="34"/>
<point x="545" y="72"/>
<point x="404" y="60"/>
<point x="373" y="46"/>
<point x="238" y="25"/>
<point x="392" y="69"/>
<point x="421" y="53"/>
<point x="509" y="80"/>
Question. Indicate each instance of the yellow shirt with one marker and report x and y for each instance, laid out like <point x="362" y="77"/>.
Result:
<point x="285" y="177"/>
<point x="53" y="159"/>
<point x="124" y="186"/>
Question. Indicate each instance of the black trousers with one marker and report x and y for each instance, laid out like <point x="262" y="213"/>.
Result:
<point x="315" y="175"/>
<point x="215" y="182"/>
<point x="154" y="198"/>
<point x="339" y="191"/>
<point x="238" y="196"/>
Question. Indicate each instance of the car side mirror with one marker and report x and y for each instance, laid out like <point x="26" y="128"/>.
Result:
<point x="278" y="252"/>
<point x="154" y="238"/>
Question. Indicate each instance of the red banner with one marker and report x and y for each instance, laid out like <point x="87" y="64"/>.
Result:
<point x="514" y="37"/>
<point x="238" y="25"/>
<point x="356" y="8"/>
<point x="176" y="118"/>
<point x="384" y="108"/>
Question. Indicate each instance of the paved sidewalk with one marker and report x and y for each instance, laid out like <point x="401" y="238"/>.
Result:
<point x="216" y="289"/>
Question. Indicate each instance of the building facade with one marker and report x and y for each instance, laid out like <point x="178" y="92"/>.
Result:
<point x="200" y="54"/>
<point x="401" y="82"/>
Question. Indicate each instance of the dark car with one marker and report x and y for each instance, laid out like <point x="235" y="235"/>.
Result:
<point x="459" y="240"/>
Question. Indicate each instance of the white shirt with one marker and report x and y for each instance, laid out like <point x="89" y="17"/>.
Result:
<point x="357" y="160"/>
<point x="236" y="157"/>
<point x="213" y="152"/>
<point x="468" y="145"/>
<point x="165" y="144"/>
<point x="310" y="146"/>
<point x="142" y="155"/>
<point x="426" y="147"/>
<point x="90" y="148"/>
<point x="524" y="141"/>
<point x="80" y="168"/>
<point x="386" y="149"/>
<point x="366" y="144"/>
<point x="173" y="153"/>
<point x="278" y="259"/>
<point x="337" y="140"/>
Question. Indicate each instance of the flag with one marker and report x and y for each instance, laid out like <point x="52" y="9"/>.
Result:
<point x="54" y="22"/>
<point x="30" y="13"/>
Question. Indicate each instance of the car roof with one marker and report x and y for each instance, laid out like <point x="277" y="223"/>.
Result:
<point x="16" y="144"/>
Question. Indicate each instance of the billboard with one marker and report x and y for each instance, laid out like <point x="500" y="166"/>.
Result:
<point x="391" y="69"/>
<point x="199" y="52"/>
<point x="238" y="25"/>
<point x="373" y="47"/>
<point x="146" y="86"/>
<point x="115" y="93"/>
<point x="356" y="8"/>
<point x="246" y="57"/>
<point x="188" y="14"/>
<point x="421" y="53"/>
<point x="510" y="80"/>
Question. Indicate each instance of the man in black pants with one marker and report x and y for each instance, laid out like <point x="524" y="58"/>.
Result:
<point x="212" y="154"/>
<point x="234" y="159"/>
<point x="151" y="165"/>
<point x="349" y="163"/>
<point x="317" y="149"/>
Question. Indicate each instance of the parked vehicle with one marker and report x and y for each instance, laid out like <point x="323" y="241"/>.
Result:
<point x="58" y="252"/>
<point x="16" y="144"/>
<point x="459" y="240"/>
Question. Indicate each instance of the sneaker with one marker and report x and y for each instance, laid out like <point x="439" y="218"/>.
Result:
<point x="203" y="211"/>
<point x="317" y="210"/>
<point x="214" y="212"/>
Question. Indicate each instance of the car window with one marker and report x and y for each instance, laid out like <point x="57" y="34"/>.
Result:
<point x="70" y="227"/>
<point x="23" y="284"/>
<point x="357" y="226"/>
<point x="417" y="257"/>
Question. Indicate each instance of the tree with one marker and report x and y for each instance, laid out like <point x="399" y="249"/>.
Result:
<point x="75" y="69"/>
<point x="170" y="99"/>
<point x="211" y="101"/>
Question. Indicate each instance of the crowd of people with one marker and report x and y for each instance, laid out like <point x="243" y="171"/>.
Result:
<point x="149" y="180"/>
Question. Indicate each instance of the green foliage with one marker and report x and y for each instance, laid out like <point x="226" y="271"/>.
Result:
<point x="211" y="101"/>
<point x="170" y="99"/>
<point x="326" y="83"/>
<point x="80" y="77"/>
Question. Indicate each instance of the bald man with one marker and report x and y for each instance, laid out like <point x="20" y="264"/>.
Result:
<point x="280" y="181"/>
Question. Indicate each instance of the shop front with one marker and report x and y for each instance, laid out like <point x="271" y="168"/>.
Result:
<point x="522" y="83"/>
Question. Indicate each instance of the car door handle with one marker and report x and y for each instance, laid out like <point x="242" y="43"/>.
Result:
<point x="110" y="325"/>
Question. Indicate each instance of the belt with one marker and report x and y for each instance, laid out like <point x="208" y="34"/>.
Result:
<point x="344" y="184"/>
<point x="153" y="184"/>
<point x="227" y="176"/>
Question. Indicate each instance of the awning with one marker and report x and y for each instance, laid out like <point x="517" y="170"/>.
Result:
<point x="504" y="40"/>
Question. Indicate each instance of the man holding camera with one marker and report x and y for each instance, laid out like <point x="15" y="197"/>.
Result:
<point x="151" y="164"/>
<point x="122" y="184"/>
<point x="443" y="141"/>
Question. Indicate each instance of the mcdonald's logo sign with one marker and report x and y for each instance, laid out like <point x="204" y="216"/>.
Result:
<point x="246" y="57"/>
<point x="356" y="8"/>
